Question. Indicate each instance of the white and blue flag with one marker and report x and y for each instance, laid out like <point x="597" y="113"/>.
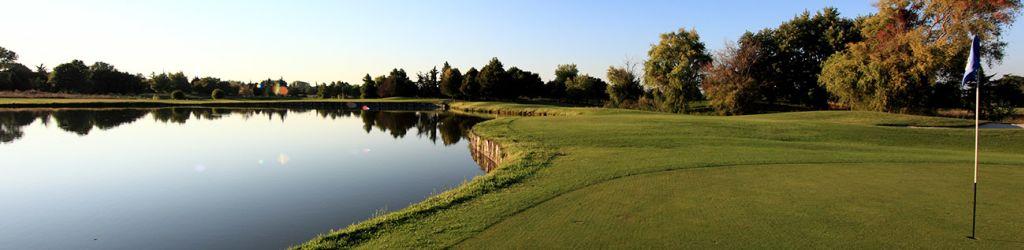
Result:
<point x="973" y="60"/>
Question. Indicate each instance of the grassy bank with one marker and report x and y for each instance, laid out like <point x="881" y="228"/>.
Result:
<point x="587" y="177"/>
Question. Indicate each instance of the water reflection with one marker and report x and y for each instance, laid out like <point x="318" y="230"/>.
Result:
<point x="448" y="127"/>
<point x="188" y="178"/>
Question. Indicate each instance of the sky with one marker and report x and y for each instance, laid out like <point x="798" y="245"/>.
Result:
<point x="323" y="41"/>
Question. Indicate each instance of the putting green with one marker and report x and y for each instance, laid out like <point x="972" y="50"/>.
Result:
<point x="778" y="206"/>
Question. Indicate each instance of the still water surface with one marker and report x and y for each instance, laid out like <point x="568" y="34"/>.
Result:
<point x="201" y="178"/>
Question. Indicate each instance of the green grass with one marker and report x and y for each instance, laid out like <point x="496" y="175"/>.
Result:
<point x="588" y="177"/>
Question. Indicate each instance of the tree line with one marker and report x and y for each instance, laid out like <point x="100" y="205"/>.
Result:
<point x="908" y="57"/>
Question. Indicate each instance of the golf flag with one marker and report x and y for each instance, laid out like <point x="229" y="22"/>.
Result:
<point x="973" y="60"/>
<point x="973" y="69"/>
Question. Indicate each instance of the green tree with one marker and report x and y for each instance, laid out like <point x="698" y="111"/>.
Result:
<point x="586" y="89"/>
<point x="300" y="88"/>
<point x="674" y="68"/>
<point x="397" y="83"/>
<point x="369" y="88"/>
<point x="179" y="82"/>
<point x="470" y="86"/>
<point x="15" y="76"/>
<point x="451" y="80"/>
<point x="624" y="86"/>
<point x="563" y="73"/>
<point x="493" y="80"/>
<point x="7" y="56"/>
<point x="524" y="83"/>
<point x="71" y="77"/>
<point x="160" y="83"/>
<point x="789" y="58"/>
<point x="427" y="84"/>
<point x="910" y="48"/>
<point x="205" y="86"/>
<point x="107" y="79"/>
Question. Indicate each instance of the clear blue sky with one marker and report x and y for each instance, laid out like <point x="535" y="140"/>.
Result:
<point x="320" y="41"/>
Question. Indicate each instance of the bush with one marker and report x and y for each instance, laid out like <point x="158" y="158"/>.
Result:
<point x="177" y="95"/>
<point x="217" y="94"/>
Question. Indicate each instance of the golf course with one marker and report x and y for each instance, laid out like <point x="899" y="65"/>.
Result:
<point x="600" y="178"/>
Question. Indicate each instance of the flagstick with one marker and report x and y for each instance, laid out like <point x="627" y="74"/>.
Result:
<point x="977" y="111"/>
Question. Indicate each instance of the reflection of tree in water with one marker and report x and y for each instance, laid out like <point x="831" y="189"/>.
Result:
<point x="175" y="115"/>
<point x="451" y="128"/>
<point x="82" y="121"/>
<point x="11" y="123"/>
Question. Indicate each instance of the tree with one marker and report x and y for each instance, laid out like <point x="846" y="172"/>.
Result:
<point x="624" y="85"/>
<point x="563" y="73"/>
<point x="369" y="88"/>
<point x="427" y="84"/>
<point x="789" y="58"/>
<point x="300" y="88"/>
<point x="71" y="77"/>
<point x="493" y="80"/>
<point x="7" y="56"/>
<point x="451" y="80"/>
<point x="107" y="79"/>
<point x="15" y="76"/>
<point x="205" y="86"/>
<point x="397" y="83"/>
<point x="586" y="89"/>
<point x="470" y="87"/>
<point x="524" y="83"/>
<point x="999" y="97"/>
<point x="911" y="47"/>
<point x="40" y="76"/>
<point x="730" y="84"/>
<point x="160" y="83"/>
<point x="178" y="81"/>
<point x="674" y="68"/>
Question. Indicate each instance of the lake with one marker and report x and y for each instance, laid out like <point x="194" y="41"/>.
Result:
<point x="215" y="178"/>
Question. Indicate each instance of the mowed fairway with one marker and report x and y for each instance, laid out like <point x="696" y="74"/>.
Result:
<point x="778" y="206"/>
<point x="618" y="178"/>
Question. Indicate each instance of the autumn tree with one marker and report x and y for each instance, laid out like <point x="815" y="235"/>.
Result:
<point x="910" y="48"/>
<point x="730" y="84"/>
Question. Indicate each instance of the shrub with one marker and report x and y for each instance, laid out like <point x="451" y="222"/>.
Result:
<point x="217" y="94"/>
<point x="177" y="95"/>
